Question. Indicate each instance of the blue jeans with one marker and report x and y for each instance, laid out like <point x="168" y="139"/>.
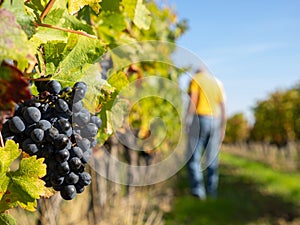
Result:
<point x="204" y="141"/>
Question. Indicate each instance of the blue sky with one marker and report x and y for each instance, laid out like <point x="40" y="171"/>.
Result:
<point x="253" y="46"/>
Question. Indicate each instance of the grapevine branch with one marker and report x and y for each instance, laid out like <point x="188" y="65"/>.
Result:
<point x="66" y="30"/>
<point x="47" y="9"/>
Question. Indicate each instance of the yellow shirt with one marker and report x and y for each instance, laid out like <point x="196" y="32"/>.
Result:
<point x="210" y="94"/>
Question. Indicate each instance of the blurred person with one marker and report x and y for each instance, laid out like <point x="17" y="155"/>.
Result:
<point x="205" y="125"/>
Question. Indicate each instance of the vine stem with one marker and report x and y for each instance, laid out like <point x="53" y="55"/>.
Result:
<point x="47" y="9"/>
<point x="66" y="30"/>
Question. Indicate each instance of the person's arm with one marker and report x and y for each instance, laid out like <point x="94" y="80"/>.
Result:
<point x="193" y="102"/>
<point x="191" y="110"/>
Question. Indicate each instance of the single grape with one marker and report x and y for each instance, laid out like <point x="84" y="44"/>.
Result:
<point x="52" y="134"/>
<point x="86" y="156"/>
<point x="29" y="147"/>
<point x="93" y="142"/>
<point x="85" y="178"/>
<point x="96" y="120"/>
<point x="76" y="152"/>
<point x="44" y="125"/>
<point x="61" y="142"/>
<point x="77" y="106"/>
<point x="90" y="130"/>
<point x="84" y="144"/>
<point x="63" y="168"/>
<point x="78" y="94"/>
<point x="37" y="135"/>
<point x="32" y="115"/>
<point x="61" y="106"/>
<point x="81" y="118"/>
<point x="56" y="179"/>
<point x="81" y="85"/>
<point x="71" y="178"/>
<point x="53" y="87"/>
<point x="75" y="164"/>
<point x="16" y="125"/>
<point x="62" y="155"/>
<point x="63" y="125"/>
<point x="68" y="192"/>
<point x="79" y="188"/>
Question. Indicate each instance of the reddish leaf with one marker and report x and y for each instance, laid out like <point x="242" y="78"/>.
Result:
<point x="13" y="86"/>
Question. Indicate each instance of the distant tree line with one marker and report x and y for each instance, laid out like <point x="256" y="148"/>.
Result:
<point x="277" y="120"/>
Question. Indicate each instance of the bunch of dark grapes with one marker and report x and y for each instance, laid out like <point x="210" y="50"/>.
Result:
<point x="54" y="125"/>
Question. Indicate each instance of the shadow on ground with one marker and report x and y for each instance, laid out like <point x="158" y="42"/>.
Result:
<point x="239" y="202"/>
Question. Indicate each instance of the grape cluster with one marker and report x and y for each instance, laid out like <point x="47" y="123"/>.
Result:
<point x="54" y="125"/>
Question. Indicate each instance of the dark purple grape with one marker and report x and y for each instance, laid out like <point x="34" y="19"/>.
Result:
<point x="56" y="179"/>
<point x="53" y="87"/>
<point x="68" y="192"/>
<point x="76" y="152"/>
<point x="75" y="164"/>
<point x="52" y="134"/>
<point x="96" y="120"/>
<point x="61" y="106"/>
<point x="44" y="125"/>
<point x="32" y="115"/>
<point x="63" y="168"/>
<point x="89" y="131"/>
<point x="16" y="125"/>
<point x="85" y="178"/>
<point x="29" y="147"/>
<point x="76" y="107"/>
<point x="79" y="188"/>
<point x="71" y="178"/>
<point x="62" y="155"/>
<point x="37" y="135"/>
<point x="86" y="156"/>
<point x="61" y="142"/>
<point x="81" y="118"/>
<point x="84" y="144"/>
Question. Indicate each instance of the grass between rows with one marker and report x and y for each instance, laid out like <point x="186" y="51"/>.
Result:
<point x="249" y="193"/>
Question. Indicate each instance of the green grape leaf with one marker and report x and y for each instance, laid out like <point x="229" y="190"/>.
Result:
<point x="118" y="80"/>
<point x="78" y="52"/>
<point x="76" y="5"/>
<point x="129" y="7"/>
<point x="25" y="179"/>
<point x="25" y="20"/>
<point x="7" y="219"/>
<point x="8" y="154"/>
<point x="142" y="16"/>
<point x="13" y="42"/>
<point x="112" y="6"/>
<point x="23" y="186"/>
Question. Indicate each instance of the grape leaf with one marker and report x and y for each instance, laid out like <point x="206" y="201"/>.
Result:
<point x="109" y="5"/>
<point x="118" y="80"/>
<point x="76" y="5"/>
<point x="78" y="52"/>
<point x="13" y="86"/>
<point x="23" y="186"/>
<point x="142" y="16"/>
<point x="25" y="20"/>
<point x="7" y="219"/>
<point x="138" y="13"/>
<point x="8" y="154"/>
<point x="13" y="42"/>
<point x="129" y="7"/>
